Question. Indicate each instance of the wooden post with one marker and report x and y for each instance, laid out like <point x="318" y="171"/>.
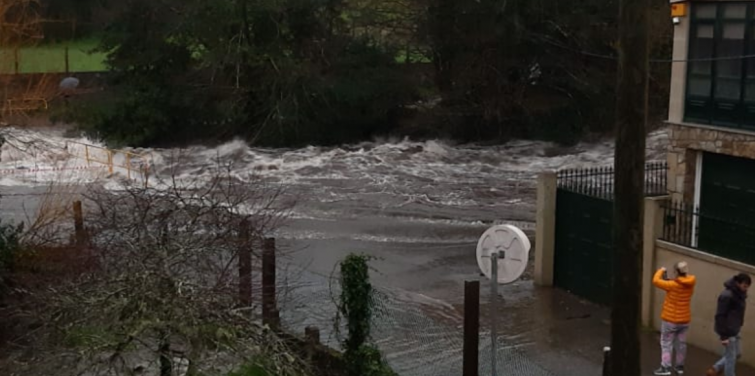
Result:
<point x="312" y="333"/>
<point x="128" y="165"/>
<point x="471" y="328"/>
<point x="145" y="172"/>
<point x="15" y="60"/>
<point x="245" y="266"/>
<point x="68" y="70"/>
<point x="269" y="306"/>
<point x="110" y="161"/>
<point x="629" y="182"/>
<point x="275" y="321"/>
<point x="312" y="336"/>
<point x="78" y="224"/>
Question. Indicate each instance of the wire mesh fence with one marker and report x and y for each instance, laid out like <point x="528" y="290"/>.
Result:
<point x="418" y="335"/>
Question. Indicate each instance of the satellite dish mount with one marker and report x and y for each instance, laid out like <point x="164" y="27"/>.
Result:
<point x="502" y="255"/>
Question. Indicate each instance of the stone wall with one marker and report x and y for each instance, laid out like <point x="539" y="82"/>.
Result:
<point x="689" y="140"/>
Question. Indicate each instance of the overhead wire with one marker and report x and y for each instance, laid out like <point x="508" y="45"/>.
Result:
<point x="664" y="61"/>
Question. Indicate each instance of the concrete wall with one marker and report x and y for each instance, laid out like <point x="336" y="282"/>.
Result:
<point x="711" y="273"/>
<point x="679" y="70"/>
<point x="545" y="232"/>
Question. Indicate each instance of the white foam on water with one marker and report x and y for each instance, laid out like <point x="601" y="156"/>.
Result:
<point x="289" y="234"/>
<point x="393" y="162"/>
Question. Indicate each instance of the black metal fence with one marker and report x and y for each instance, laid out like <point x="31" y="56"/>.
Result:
<point x="680" y="224"/>
<point x="685" y="225"/>
<point x="599" y="182"/>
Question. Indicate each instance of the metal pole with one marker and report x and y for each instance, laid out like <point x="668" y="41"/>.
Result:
<point x="269" y="304"/>
<point x="471" y="328"/>
<point x="606" y="361"/>
<point x="493" y="298"/>
<point x="78" y="224"/>
<point x="245" y="265"/>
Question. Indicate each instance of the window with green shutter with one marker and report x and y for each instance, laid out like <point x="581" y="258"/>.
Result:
<point x="720" y="81"/>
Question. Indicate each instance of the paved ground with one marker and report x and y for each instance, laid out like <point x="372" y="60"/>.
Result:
<point x="579" y="331"/>
<point x="557" y="332"/>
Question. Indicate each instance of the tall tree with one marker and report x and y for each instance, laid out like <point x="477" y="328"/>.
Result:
<point x="631" y="120"/>
<point x="533" y="68"/>
<point x="279" y="72"/>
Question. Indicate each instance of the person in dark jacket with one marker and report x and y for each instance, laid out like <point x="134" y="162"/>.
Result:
<point x="730" y="316"/>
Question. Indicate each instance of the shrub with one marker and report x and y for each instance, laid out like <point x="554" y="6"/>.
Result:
<point x="10" y="236"/>
<point x="357" y="306"/>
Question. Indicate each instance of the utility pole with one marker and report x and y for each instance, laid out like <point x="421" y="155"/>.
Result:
<point x="631" y="120"/>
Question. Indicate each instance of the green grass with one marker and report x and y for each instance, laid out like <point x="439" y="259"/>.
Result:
<point x="250" y="370"/>
<point x="50" y="58"/>
<point x="414" y="57"/>
<point x="89" y="336"/>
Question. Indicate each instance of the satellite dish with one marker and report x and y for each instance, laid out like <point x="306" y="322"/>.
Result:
<point x="513" y="248"/>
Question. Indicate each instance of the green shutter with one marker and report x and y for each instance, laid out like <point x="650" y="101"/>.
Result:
<point x="727" y="207"/>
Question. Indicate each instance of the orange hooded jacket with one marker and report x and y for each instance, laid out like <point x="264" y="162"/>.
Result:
<point x="678" y="297"/>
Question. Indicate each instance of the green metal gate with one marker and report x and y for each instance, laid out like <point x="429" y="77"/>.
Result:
<point x="584" y="224"/>
<point x="727" y="207"/>
<point x="584" y="247"/>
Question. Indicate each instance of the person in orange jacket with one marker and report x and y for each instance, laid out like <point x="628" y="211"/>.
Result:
<point x="675" y="317"/>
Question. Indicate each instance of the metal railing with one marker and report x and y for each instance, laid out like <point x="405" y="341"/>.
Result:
<point x="599" y="181"/>
<point x="131" y="162"/>
<point x="22" y="105"/>
<point x="687" y="226"/>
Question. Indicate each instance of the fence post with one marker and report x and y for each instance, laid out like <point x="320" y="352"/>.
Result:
<point x="68" y="70"/>
<point x="128" y="165"/>
<point x="15" y="60"/>
<point x="312" y="336"/>
<point x="471" y="328"/>
<point x="145" y="172"/>
<point x="606" y="361"/>
<point x="245" y="266"/>
<point x="312" y="333"/>
<point x="547" y="184"/>
<point x="78" y="224"/>
<point x="269" y="306"/>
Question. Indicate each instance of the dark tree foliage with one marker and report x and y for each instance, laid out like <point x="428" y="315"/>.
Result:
<point x="526" y="68"/>
<point x="292" y="72"/>
<point x="276" y="72"/>
<point x="66" y="19"/>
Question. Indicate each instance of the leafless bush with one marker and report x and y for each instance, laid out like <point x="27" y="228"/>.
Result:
<point x="161" y="296"/>
<point x="17" y="144"/>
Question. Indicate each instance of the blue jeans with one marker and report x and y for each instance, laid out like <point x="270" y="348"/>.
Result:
<point x="728" y="362"/>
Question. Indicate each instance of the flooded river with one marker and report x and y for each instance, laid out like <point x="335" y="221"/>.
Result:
<point x="418" y="207"/>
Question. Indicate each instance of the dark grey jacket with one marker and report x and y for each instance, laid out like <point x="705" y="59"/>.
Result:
<point x="730" y="313"/>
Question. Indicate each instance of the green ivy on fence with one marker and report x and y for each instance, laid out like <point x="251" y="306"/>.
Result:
<point x="357" y="305"/>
